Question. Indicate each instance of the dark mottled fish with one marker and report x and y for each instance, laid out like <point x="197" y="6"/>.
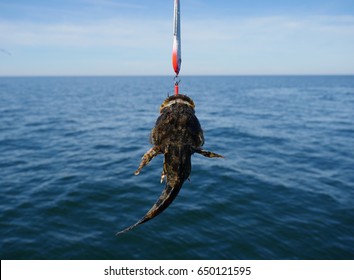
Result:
<point x="177" y="134"/>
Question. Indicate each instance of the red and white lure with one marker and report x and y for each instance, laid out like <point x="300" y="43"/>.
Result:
<point x="176" y="50"/>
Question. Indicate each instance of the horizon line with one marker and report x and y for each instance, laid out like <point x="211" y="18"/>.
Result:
<point x="164" y="75"/>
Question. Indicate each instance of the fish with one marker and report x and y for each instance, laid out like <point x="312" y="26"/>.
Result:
<point x="177" y="135"/>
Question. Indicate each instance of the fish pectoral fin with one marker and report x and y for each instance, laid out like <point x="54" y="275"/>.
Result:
<point x="207" y="153"/>
<point x="148" y="156"/>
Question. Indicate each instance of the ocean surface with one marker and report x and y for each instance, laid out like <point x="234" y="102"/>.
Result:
<point x="285" y="190"/>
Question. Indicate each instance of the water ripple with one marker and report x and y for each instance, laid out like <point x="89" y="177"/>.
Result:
<point x="69" y="147"/>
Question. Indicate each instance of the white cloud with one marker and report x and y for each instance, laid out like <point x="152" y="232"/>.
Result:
<point x="114" y="4"/>
<point x="279" y="44"/>
<point x="252" y="45"/>
<point x="118" y="32"/>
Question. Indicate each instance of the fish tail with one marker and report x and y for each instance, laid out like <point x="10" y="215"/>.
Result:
<point x="177" y="169"/>
<point x="167" y="196"/>
<point x="143" y="220"/>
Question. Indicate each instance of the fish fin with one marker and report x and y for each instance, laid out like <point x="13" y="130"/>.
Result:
<point x="208" y="153"/>
<point x="131" y="227"/>
<point x="163" y="176"/>
<point x="148" y="156"/>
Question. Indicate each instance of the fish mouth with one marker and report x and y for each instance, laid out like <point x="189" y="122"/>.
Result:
<point x="177" y="99"/>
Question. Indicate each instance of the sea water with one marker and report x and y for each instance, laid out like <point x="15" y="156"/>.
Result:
<point x="69" y="147"/>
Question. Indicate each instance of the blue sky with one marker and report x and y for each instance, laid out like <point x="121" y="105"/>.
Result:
<point x="121" y="37"/>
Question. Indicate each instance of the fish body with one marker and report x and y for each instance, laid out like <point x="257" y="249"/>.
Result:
<point x="178" y="135"/>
